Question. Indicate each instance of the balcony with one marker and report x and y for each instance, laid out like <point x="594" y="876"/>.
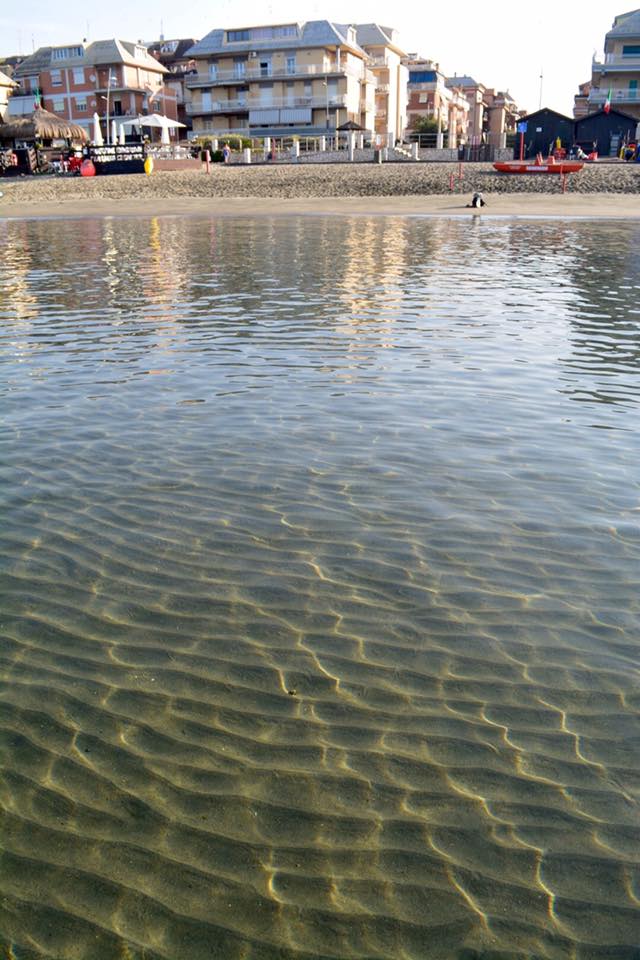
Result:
<point x="382" y="88"/>
<point x="598" y="97"/>
<point x="253" y="74"/>
<point x="274" y="103"/>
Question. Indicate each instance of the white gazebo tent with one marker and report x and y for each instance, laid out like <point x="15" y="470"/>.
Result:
<point x="165" y="124"/>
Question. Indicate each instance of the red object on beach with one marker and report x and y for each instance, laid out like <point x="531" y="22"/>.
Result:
<point x="520" y="166"/>
<point x="87" y="169"/>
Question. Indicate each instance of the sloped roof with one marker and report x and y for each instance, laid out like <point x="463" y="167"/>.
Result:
<point x="463" y="81"/>
<point x="100" y="52"/>
<point x="375" y="35"/>
<point x="314" y="33"/>
<point x="6" y="81"/>
<point x="613" y="111"/>
<point x="166" y="56"/>
<point x="625" y="25"/>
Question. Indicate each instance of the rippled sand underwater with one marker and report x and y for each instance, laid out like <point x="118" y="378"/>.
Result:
<point x="321" y="589"/>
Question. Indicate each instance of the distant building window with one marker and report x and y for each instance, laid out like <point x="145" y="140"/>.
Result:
<point x="78" y="75"/>
<point x="237" y="36"/>
<point x="58" y="106"/>
<point x="213" y="71"/>
<point x="81" y="105"/>
<point x="56" y="78"/>
<point x="422" y="76"/>
<point x="169" y="47"/>
<point x="65" y="53"/>
<point x="631" y="50"/>
<point x="274" y="33"/>
<point x="265" y="68"/>
<point x="424" y="98"/>
<point x="291" y="65"/>
<point x="633" y="86"/>
<point x="141" y="52"/>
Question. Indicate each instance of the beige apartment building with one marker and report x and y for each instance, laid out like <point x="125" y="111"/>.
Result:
<point x="619" y="71"/>
<point x="280" y="80"/>
<point x="7" y="85"/>
<point x="391" y="77"/>
<point x="493" y="114"/>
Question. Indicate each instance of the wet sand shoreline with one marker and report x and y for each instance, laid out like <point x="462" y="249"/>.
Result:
<point x="519" y="206"/>
<point x="606" y="191"/>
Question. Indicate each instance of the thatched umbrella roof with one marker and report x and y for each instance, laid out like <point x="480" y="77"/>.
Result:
<point x="41" y="125"/>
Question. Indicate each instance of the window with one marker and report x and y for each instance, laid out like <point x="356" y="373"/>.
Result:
<point x="58" y="106"/>
<point x="237" y="36"/>
<point x="424" y="98"/>
<point x="213" y="71"/>
<point x="81" y="105"/>
<point x="78" y="75"/>
<point x="56" y="78"/>
<point x="631" y="50"/>
<point x="291" y="65"/>
<point x="265" y="68"/>
<point x="239" y="66"/>
<point x="65" y="53"/>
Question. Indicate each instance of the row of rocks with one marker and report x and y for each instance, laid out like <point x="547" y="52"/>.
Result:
<point x="324" y="180"/>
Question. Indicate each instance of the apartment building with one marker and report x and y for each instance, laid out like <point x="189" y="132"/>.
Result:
<point x="7" y="85"/>
<point x="173" y="55"/>
<point x="109" y="77"/>
<point x="281" y="80"/>
<point x="493" y="114"/>
<point x="619" y="71"/>
<point x="391" y="76"/>
<point x="431" y="97"/>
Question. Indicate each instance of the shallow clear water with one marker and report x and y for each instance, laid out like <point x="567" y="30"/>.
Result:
<point x="321" y="589"/>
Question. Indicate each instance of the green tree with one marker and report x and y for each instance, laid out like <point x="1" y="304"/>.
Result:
<point x="424" y="125"/>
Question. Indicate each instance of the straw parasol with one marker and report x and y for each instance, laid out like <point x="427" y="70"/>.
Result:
<point x="41" y="125"/>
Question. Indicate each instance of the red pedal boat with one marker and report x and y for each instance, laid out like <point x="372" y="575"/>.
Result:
<point x="538" y="166"/>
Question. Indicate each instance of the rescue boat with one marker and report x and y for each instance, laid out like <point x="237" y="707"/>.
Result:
<point x="551" y="165"/>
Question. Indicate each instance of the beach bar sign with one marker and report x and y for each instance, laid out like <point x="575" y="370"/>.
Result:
<point x="118" y="158"/>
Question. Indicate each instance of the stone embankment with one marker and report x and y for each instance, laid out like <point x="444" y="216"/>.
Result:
<point x="317" y="181"/>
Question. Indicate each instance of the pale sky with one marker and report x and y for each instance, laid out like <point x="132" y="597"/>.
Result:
<point x="506" y="45"/>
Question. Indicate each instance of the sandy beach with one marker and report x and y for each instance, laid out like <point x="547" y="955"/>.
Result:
<point x="599" y="191"/>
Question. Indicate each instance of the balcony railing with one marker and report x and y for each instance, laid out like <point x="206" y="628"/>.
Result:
<point x="226" y="77"/>
<point x="382" y="88"/>
<point x="275" y="103"/>
<point x="617" y="96"/>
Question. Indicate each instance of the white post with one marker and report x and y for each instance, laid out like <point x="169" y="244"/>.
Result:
<point x="361" y="141"/>
<point x="267" y="146"/>
<point x="296" y="148"/>
<point x="247" y="154"/>
<point x="352" y="146"/>
<point x="323" y="144"/>
<point x="123" y="136"/>
<point x="214" y="143"/>
<point x="390" y="140"/>
<point x="114" y="131"/>
<point x="415" y="149"/>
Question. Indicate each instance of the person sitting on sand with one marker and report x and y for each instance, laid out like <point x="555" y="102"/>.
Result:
<point x="477" y="200"/>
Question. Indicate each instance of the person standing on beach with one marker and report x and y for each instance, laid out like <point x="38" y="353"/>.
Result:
<point x="226" y="152"/>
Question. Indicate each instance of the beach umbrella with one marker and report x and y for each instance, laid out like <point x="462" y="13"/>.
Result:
<point x="122" y="135"/>
<point x="114" y="132"/>
<point x="164" y="136"/>
<point x="97" y="132"/>
<point x="42" y="125"/>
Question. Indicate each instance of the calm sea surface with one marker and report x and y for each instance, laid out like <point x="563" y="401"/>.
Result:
<point x="320" y="589"/>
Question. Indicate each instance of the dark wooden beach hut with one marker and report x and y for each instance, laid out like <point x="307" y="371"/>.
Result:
<point x="544" y="127"/>
<point x="607" y="131"/>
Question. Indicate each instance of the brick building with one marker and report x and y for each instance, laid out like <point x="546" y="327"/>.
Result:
<point x="107" y="77"/>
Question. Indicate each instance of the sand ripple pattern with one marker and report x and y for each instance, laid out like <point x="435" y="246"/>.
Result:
<point x="320" y="590"/>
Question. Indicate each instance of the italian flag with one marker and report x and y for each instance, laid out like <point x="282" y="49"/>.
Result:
<point x="607" y="103"/>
